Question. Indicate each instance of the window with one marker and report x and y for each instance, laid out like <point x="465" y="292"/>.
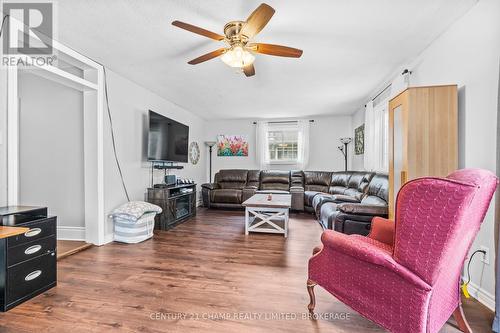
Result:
<point x="283" y="145"/>
<point x="282" y="142"/>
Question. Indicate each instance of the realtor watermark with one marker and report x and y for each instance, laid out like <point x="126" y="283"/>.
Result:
<point x="27" y="34"/>
<point x="221" y="316"/>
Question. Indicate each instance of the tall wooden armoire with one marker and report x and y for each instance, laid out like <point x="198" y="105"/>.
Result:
<point x="423" y="131"/>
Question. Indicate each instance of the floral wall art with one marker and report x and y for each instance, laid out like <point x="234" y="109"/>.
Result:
<point x="232" y="145"/>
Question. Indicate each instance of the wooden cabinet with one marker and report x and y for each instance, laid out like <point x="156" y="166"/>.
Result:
<point x="423" y="130"/>
<point x="178" y="203"/>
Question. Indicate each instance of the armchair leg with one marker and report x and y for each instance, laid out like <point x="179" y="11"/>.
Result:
<point x="310" y="290"/>
<point x="462" y="323"/>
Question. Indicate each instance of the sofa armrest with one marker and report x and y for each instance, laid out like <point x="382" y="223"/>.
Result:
<point x="297" y="193"/>
<point x="356" y="208"/>
<point x="210" y="186"/>
<point x="382" y="230"/>
<point x="342" y="198"/>
<point x="296" y="189"/>
<point x="248" y="192"/>
<point x="368" y="253"/>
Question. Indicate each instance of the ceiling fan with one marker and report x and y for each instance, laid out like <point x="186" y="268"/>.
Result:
<point x="238" y="35"/>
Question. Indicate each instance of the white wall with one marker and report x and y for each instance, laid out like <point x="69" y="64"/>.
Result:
<point x="3" y="137"/>
<point x="51" y="170"/>
<point x="468" y="54"/>
<point x="324" y="139"/>
<point x="129" y="104"/>
<point x="358" y="119"/>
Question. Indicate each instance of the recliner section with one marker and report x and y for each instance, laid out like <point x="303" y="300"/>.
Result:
<point x="355" y="217"/>
<point x="345" y="201"/>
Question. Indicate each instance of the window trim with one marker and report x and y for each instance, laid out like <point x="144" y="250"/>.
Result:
<point x="283" y="162"/>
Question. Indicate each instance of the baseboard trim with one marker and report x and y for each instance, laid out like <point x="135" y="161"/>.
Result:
<point x="482" y="295"/>
<point x="108" y="238"/>
<point x="71" y="233"/>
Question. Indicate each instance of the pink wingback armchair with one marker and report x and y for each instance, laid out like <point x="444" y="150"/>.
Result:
<point x="405" y="274"/>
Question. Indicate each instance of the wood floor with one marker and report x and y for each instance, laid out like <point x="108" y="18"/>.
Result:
<point x="204" y="269"/>
<point x="65" y="248"/>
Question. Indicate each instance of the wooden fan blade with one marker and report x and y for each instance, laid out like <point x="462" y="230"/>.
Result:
<point x="249" y="70"/>
<point x="257" y="20"/>
<point x="207" y="56"/>
<point x="276" y="50"/>
<point x="198" y="30"/>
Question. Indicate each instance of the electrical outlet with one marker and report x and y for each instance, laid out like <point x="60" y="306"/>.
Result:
<point x="485" y="257"/>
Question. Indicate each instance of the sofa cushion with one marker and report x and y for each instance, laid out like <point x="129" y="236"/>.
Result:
<point x="274" y="180"/>
<point x="317" y="181"/>
<point x="340" y="178"/>
<point x="297" y="178"/>
<point x="231" y="178"/>
<point x="338" y="182"/>
<point x="231" y="196"/>
<point x="378" y="190"/>
<point x="358" y="183"/>
<point x="253" y="178"/>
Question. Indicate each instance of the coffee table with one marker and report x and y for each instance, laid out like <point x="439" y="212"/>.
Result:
<point x="263" y="215"/>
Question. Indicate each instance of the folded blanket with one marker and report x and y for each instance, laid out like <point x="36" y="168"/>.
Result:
<point x="134" y="210"/>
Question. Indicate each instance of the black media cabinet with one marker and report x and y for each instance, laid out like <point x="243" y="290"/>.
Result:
<point x="177" y="202"/>
<point x="28" y="261"/>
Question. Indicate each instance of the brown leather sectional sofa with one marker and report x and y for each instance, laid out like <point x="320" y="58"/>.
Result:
<point x="345" y="201"/>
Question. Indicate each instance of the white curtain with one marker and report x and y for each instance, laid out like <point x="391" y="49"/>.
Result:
<point x="400" y="83"/>
<point x="303" y="144"/>
<point x="376" y="137"/>
<point x="262" y="144"/>
<point x="376" y="157"/>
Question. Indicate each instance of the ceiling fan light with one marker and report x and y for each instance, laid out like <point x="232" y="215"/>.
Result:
<point x="237" y="57"/>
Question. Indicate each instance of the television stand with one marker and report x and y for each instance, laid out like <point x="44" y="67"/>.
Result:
<point x="177" y="202"/>
<point x="165" y="165"/>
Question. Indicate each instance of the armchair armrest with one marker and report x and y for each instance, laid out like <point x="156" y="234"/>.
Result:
<point x="210" y="186"/>
<point x="368" y="253"/>
<point x="356" y="208"/>
<point x="251" y="187"/>
<point x="382" y="230"/>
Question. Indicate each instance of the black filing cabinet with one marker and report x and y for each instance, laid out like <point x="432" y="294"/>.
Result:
<point x="28" y="262"/>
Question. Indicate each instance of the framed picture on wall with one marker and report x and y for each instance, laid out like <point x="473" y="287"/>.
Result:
<point x="359" y="140"/>
<point x="232" y="145"/>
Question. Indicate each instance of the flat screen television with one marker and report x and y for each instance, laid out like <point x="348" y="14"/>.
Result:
<point x="167" y="139"/>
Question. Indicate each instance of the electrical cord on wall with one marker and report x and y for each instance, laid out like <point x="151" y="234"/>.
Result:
<point x="465" y="284"/>
<point x="109" y="116"/>
<point x="1" y="26"/>
<point x="113" y="134"/>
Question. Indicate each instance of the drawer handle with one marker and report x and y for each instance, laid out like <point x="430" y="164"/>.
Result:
<point x="32" y="232"/>
<point x="33" y="275"/>
<point x="32" y="249"/>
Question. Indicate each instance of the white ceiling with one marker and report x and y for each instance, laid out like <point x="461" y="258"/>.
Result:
<point x="350" y="48"/>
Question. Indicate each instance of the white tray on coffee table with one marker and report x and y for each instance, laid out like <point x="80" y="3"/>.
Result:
<point x="271" y="216"/>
